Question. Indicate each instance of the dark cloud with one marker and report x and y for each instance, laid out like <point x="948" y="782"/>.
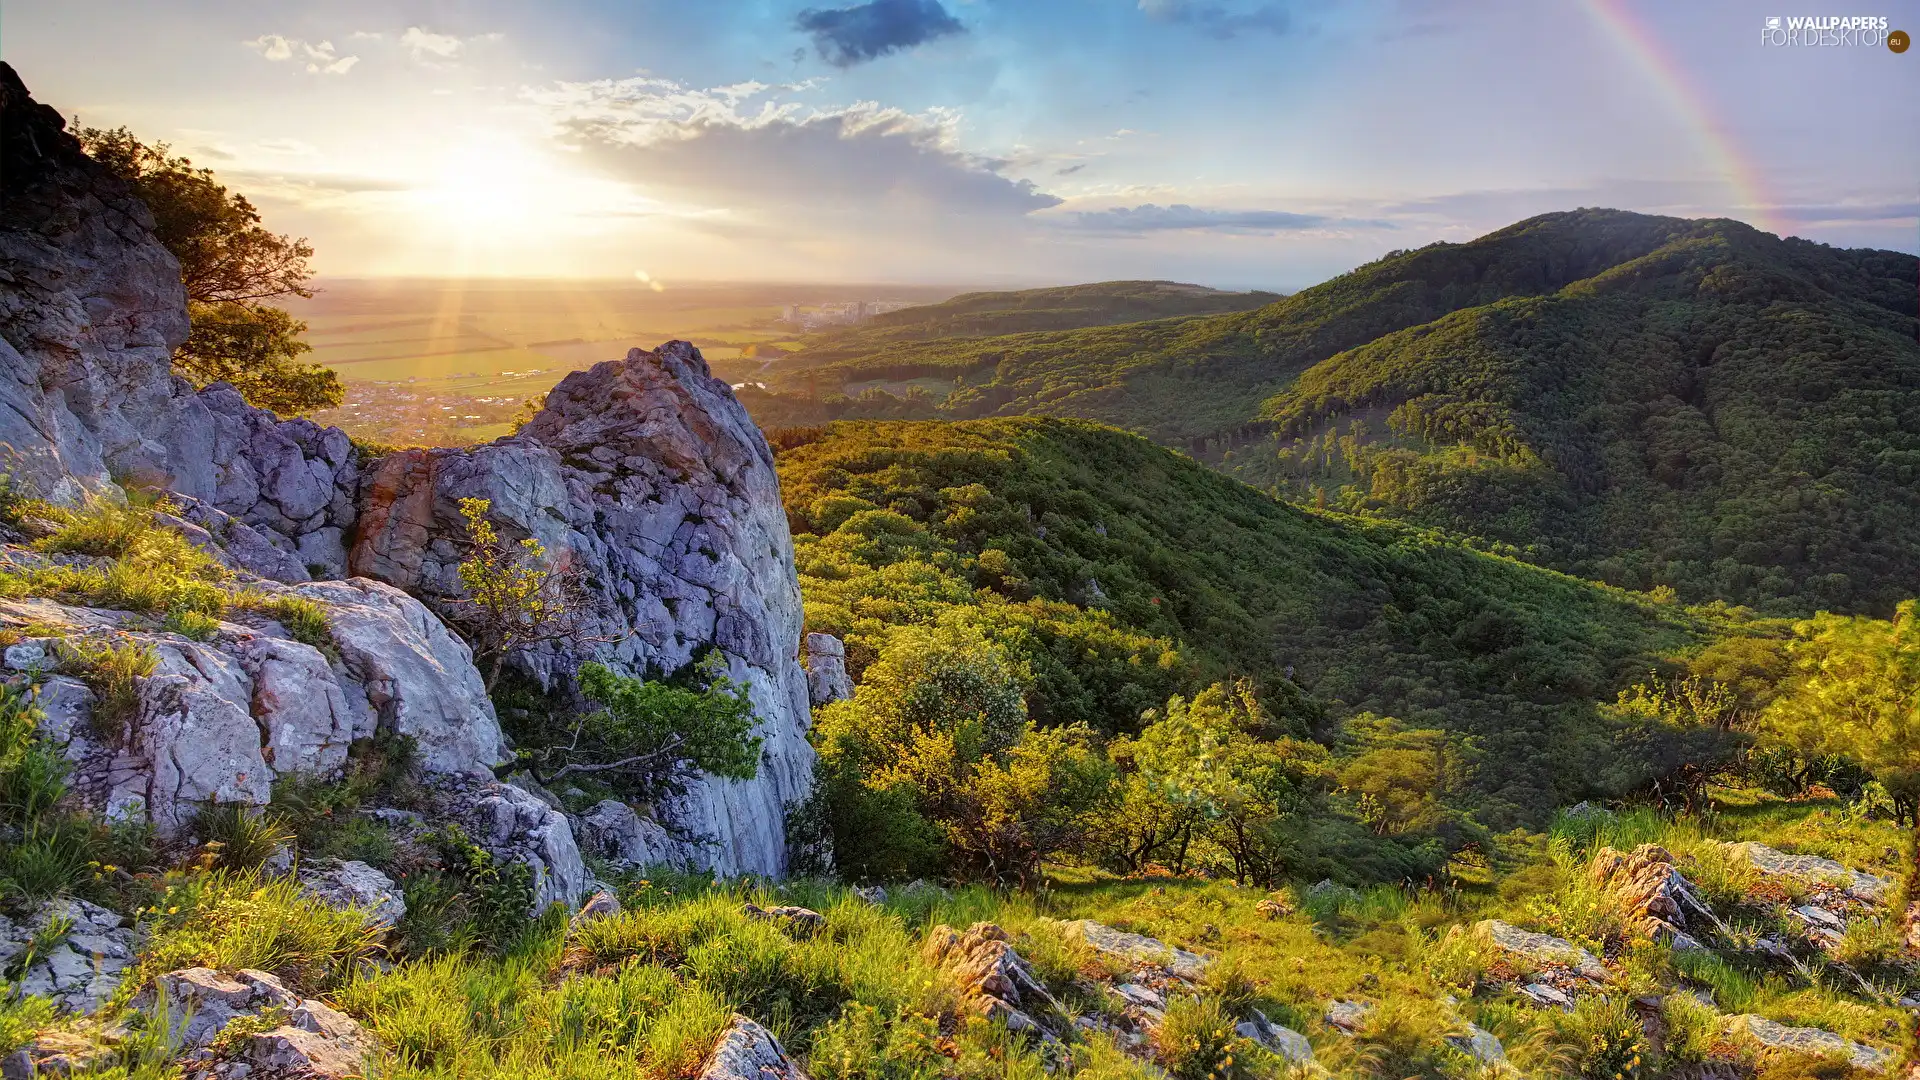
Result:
<point x="1070" y="169"/>
<point x="1150" y="218"/>
<point x="853" y="35"/>
<point x="1220" y="20"/>
<point x="848" y="166"/>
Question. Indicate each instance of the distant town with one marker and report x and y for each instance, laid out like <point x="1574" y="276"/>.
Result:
<point x="851" y="313"/>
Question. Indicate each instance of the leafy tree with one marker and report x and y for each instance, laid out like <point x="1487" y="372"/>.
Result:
<point x="231" y="266"/>
<point x="1213" y="769"/>
<point x="938" y="729"/>
<point x="646" y="739"/>
<point x="1856" y="692"/>
<point x="1681" y="736"/>
<point x="516" y="597"/>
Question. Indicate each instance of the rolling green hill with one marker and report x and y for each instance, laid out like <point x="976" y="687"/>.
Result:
<point x="1068" y="307"/>
<point x="1650" y="401"/>
<point x="1121" y="572"/>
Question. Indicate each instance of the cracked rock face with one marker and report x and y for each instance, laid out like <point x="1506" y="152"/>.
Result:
<point x="84" y="970"/>
<point x="747" y="1051"/>
<point x="648" y="476"/>
<point x="827" y="678"/>
<point x="993" y="978"/>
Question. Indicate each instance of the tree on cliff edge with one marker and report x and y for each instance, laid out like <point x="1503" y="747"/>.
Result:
<point x="231" y="265"/>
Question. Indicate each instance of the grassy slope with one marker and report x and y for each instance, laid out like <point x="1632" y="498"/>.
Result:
<point x="1369" y="616"/>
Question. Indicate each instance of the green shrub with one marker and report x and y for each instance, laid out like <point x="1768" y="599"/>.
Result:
<point x="305" y="620"/>
<point x="21" y="1018"/>
<point x="865" y="1044"/>
<point x="192" y="625"/>
<point x="1196" y="1041"/>
<point x="1607" y="1037"/>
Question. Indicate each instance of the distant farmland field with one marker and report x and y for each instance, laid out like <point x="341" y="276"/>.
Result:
<point x="451" y="362"/>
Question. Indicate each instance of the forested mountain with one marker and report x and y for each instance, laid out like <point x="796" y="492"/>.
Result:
<point x="1649" y="401"/>
<point x="1066" y="307"/>
<point x="1120" y="573"/>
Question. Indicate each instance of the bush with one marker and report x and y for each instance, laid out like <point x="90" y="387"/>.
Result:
<point x="1196" y="1041"/>
<point x="239" y="837"/>
<point x="226" y="919"/>
<point x="304" y="620"/>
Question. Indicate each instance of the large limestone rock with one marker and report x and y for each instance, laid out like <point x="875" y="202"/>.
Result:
<point x="648" y="476"/>
<point x="615" y="831"/>
<point x="1544" y="950"/>
<point x="1656" y="897"/>
<point x="512" y="823"/>
<point x="219" y="721"/>
<point x="827" y="678"/>
<point x="1138" y="949"/>
<point x="300" y="1037"/>
<point x="352" y="884"/>
<point x="91" y="308"/>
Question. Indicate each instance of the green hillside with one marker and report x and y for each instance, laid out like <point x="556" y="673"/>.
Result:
<point x="1649" y="401"/>
<point x="1121" y="572"/>
<point x="1067" y="307"/>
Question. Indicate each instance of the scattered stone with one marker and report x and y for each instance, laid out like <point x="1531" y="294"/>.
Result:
<point x="351" y="883"/>
<point x="993" y="978"/>
<point x="1584" y="809"/>
<point x="33" y="654"/>
<point x="1138" y="948"/>
<point x="1347" y="1017"/>
<point x="747" y="1051"/>
<point x="798" y="922"/>
<point x="203" y="1001"/>
<point x="1479" y="1044"/>
<point x="1274" y="906"/>
<point x="1809" y="1041"/>
<point x="1544" y="949"/>
<point x="1282" y="1040"/>
<point x="1544" y="994"/>
<point x="1143" y="1000"/>
<point x="1815" y="916"/>
<point x="872" y="894"/>
<point x="600" y="905"/>
<point x="1812" y="869"/>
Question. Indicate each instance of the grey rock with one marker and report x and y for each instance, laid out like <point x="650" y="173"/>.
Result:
<point x="615" y="831"/>
<point x="351" y="883"/>
<point x="827" y="678"/>
<point x="1479" y="1044"/>
<point x="203" y="1001"/>
<point x="1809" y="1041"/>
<point x="1543" y="949"/>
<point x="317" y="1042"/>
<point x="872" y="894"/>
<point x="747" y="1051"/>
<point x="68" y="707"/>
<point x="1813" y="869"/>
<point x="1144" y="997"/>
<point x="1347" y="1017"/>
<point x="1138" y="948"/>
<point x="1544" y="994"/>
<point x="798" y="922"/>
<point x="83" y="970"/>
<point x="1816" y="916"/>
<point x="1277" y="1038"/>
<point x="994" y="980"/>
<point x="648" y="475"/>
<point x="18" y="1066"/>
<point x="600" y="905"/>
<point x="514" y="824"/>
<point x="33" y="654"/>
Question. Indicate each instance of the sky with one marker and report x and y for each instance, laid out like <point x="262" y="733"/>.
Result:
<point x="1235" y="143"/>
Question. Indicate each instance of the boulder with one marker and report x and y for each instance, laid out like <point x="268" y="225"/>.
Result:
<point x="1138" y="949"/>
<point x="1804" y="1040"/>
<point x="647" y="475"/>
<point x="514" y="824"/>
<point x="872" y="894"/>
<point x="1814" y="870"/>
<point x="602" y="904"/>
<point x="827" y="678"/>
<point x="1544" y="950"/>
<point x="317" y="1042"/>
<point x="203" y="1001"/>
<point x="1657" y="899"/>
<point x="1276" y="1038"/>
<point x="1546" y="994"/>
<point x="616" y="832"/>
<point x="1479" y="1044"/>
<point x="351" y="883"/>
<point x="994" y="980"/>
<point x="1347" y="1017"/>
<point x="747" y="1051"/>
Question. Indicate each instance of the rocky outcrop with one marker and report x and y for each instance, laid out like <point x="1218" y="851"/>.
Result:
<point x="1276" y="1038"/>
<point x="1656" y="899"/>
<point x="83" y="968"/>
<point x="827" y="678"/>
<point x="91" y="309"/>
<point x="648" y="477"/>
<point x="352" y="884"/>
<point x="219" y="721"/>
<point x="994" y="980"/>
<point x="618" y="833"/>
<point x="291" y="1035"/>
<point x="747" y="1051"/>
<point x="515" y="824"/>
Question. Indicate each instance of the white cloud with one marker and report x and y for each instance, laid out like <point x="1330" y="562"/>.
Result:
<point x="320" y="57"/>
<point x="422" y="43"/>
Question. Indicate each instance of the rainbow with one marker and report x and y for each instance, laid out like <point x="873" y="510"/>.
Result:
<point x="1657" y="62"/>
